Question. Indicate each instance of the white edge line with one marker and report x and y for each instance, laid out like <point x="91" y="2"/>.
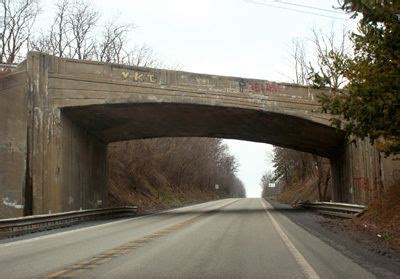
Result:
<point x="308" y="270"/>
<point x="47" y="236"/>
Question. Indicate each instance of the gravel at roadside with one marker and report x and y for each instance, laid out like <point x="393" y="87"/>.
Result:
<point x="370" y="252"/>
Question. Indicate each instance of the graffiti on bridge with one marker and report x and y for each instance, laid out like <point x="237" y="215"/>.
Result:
<point x="365" y="184"/>
<point x="259" y="87"/>
<point x="139" y="76"/>
<point x="265" y="87"/>
<point x="242" y="85"/>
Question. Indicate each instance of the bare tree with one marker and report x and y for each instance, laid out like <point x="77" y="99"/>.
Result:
<point x="72" y="31"/>
<point x="267" y="178"/>
<point x="298" y="56"/>
<point x="112" y="44"/>
<point x="57" y="41"/>
<point x="266" y="181"/>
<point x="185" y="164"/>
<point x="17" y="19"/>
<point x="323" y="177"/>
<point x="73" y="35"/>
<point x="59" y="34"/>
<point x="41" y="43"/>
<point x="143" y="56"/>
<point x="82" y="19"/>
<point x="331" y="51"/>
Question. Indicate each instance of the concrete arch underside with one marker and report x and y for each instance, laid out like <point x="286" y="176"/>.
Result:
<point x="120" y="122"/>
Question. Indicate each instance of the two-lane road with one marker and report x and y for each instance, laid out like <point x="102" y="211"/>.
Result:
<point x="231" y="238"/>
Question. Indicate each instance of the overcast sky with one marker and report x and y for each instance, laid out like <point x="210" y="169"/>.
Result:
<point x="224" y="37"/>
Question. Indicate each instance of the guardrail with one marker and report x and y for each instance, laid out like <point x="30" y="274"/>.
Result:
<point x="343" y="210"/>
<point x="23" y="225"/>
<point x="8" y="66"/>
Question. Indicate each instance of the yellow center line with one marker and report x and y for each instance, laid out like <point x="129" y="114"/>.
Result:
<point x="123" y="249"/>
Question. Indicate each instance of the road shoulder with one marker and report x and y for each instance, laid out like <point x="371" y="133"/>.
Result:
<point x="379" y="260"/>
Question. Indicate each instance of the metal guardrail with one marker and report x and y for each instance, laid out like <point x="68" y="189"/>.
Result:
<point x="343" y="210"/>
<point x="8" y="66"/>
<point x="23" y="225"/>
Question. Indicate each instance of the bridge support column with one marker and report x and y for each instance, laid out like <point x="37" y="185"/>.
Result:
<point x="66" y="165"/>
<point x="82" y="168"/>
<point x="13" y="144"/>
<point x="357" y="173"/>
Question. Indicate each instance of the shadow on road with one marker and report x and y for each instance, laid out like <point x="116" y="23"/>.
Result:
<point x="233" y="211"/>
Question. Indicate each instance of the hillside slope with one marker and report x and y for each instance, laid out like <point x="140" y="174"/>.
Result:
<point x="163" y="173"/>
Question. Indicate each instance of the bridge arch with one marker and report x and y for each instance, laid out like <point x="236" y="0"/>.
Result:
<point x="127" y="121"/>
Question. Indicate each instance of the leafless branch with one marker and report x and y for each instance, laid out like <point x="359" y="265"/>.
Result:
<point x="82" y="20"/>
<point x="142" y="56"/>
<point x="18" y="17"/>
<point x="112" y="44"/>
<point x="298" y="57"/>
<point x="330" y="49"/>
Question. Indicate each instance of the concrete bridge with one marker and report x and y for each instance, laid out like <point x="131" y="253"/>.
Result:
<point x="58" y="115"/>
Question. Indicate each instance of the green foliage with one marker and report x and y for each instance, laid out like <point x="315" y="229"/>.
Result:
<point x="370" y="102"/>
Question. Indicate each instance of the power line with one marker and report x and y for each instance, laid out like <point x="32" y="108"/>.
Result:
<point x="294" y="10"/>
<point x="308" y="7"/>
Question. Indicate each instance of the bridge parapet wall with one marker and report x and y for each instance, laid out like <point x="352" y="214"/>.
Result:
<point x="120" y="80"/>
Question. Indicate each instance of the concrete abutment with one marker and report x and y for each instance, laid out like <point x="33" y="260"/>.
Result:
<point x="66" y="164"/>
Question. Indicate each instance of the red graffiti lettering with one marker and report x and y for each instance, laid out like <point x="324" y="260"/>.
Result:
<point x="364" y="183"/>
<point x="264" y="87"/>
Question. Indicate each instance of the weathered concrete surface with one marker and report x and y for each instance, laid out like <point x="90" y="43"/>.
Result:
<point x="13" y="143"/>
<point x="72" y="109"/>
<point x="83" y="169"/>
<point x="362" y="173"/>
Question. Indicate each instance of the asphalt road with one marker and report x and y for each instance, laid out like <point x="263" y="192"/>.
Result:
<point x="231" y="238"/>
